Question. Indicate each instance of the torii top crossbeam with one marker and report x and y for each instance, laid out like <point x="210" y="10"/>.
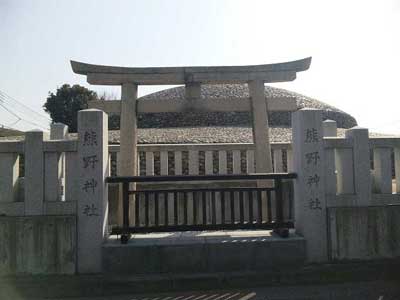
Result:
<point x="109" y="75"/>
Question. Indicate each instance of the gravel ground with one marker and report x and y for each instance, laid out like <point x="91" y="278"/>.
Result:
<point x="198" y="135"/>
<point x="209" y="135"/>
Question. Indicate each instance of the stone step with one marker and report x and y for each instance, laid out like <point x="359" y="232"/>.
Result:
<point x="202" y="252"/>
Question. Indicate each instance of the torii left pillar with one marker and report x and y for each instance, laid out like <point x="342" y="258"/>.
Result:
<point x="128" y="135"/>
<point x="127" y="157"/>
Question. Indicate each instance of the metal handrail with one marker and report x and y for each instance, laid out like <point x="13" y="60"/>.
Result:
<point x="279" y="225"/>
<point x="256" y="176"/>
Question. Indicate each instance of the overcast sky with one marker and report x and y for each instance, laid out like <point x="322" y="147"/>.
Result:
<point x="355" y="47"/>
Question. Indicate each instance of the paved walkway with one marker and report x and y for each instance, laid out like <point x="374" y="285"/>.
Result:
<point x="223" y="236"/>
<point x="377" y="290"/>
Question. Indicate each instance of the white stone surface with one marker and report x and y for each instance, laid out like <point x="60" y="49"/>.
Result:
<point x="222" y="162"/>
<point x="164" y="163"/>
<point x="59" y="131"/>
<point x="329" y="128"/>
<point x="330" y="172"/>
<point x="362" y="164"/>
<point x="92" y="206"/>
<point x="178" y="162"/>
<point x="397" y="168"/>
<point x="34" y="173"/>
<point x="309" y="187"/>
<point x="278" y="161"/>
<point x="250" y="161"/>
<point x="289" y="160"/>
<point x="208" y="162"/>
<point x="52" y="176"/>
<point x="71" y="176"/>
<point x="9" y="171"/>
<point x="149" y="163"/>
<point x="383" y="170"/>
<point x="345" y="171"/>
<point x="236" y="161"/>
<point x="193" y="162"/>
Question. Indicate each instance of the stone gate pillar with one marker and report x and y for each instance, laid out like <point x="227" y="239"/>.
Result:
<point x="92" y="206"/>
<point x="309" y="187"/>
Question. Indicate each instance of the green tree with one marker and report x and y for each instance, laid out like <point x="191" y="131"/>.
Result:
<point x="63" y="106"/>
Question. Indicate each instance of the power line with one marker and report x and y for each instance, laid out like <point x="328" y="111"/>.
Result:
<point x="19" y="118"/>
<point x="10" y="102"/>
<point x="14" y="123"/>
<point x="11" y="112"/>
<point x="7" y="98"/>
<point x="22" y="112"/>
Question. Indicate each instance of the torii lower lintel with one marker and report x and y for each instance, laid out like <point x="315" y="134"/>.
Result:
<point x="182" y="105"/>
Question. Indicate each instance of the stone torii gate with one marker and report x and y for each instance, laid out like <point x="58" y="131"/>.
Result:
<point x="192" y="77"/>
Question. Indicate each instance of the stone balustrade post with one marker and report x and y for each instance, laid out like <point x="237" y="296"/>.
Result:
<point x="55" y="166"/>
<point x="329" y="128"/>
<point x="58" y="131"/>
<point x="92" y="206"/>
<point x="361" y="165"/>
<point x="34" y="173"/>
<point x="9" y="172"/>
<point x="309" y="187"/>
<point x="382" y="170"/>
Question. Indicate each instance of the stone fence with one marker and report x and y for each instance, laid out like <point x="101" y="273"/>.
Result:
<point x="336" y="173"/>
<point x="49" y="185"/>
<point x="337" y="184"/>
<point x="61" y="178"/>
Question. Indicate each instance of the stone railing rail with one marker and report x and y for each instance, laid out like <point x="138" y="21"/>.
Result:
<point x="51" y="173"/>
<point x="195" y="159"/>
<point x="49" y="182"/>
<point x="359" y="170"/>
